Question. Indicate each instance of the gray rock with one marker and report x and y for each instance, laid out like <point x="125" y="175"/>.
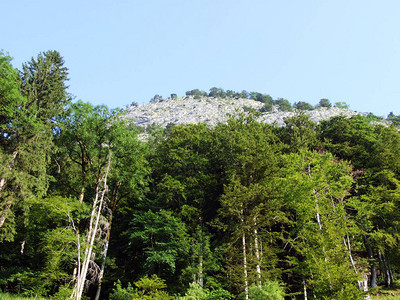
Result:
<point x="188" y="110"/>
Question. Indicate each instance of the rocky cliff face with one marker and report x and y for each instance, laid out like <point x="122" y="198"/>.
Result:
<point x="188" y="110"/>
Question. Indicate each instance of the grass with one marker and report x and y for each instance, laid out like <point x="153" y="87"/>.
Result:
<point x="384" y="293"/>
<point x="18" y="297"/>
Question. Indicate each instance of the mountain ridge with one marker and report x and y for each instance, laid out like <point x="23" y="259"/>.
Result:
<point x="214" y="110"/>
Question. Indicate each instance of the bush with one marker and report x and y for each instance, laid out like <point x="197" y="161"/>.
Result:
<point x="120" y="293"/>
<point x="195" y="292"/>
<point x="64" y="293"/>
<point x="270" y="290"/>
<point x="147" y="288"/>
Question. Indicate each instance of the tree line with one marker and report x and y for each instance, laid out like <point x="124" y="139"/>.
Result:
<point x="242" y="210"/>
<point x="269" y="103"/>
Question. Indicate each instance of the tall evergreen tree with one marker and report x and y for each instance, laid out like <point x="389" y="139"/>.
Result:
<point x="28" y="120"/>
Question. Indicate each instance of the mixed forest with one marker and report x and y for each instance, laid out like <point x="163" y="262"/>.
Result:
<point x="242" y="210"/>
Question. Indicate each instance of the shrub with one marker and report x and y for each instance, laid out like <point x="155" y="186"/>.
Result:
<point x="270" y="290"/>
<point x="120" y="293"/>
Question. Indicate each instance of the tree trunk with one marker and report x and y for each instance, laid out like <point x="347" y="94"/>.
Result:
<point x="305" y="289"/>
<point x="193" y="261"/>
<point x="201" y="276"/>
<point x="2" y="183"/>
<point x="201" y="279"/>
<point x="258" y="267"/>
<point x="385" y="269"/>
<point x="246" y="282"/>
<point x="4" y="213"/>
<point x="94" y="222"/>
<point x="348" y="247"/>
<point x="320" y="226"/>
<point x="390" y="272"/>
<point x="82" y="194"/>
<point x="103" y="263"/>
<point x="368" y="248"/>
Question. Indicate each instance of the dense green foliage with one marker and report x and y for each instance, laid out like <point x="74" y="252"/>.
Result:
<point x="242" y="210"/>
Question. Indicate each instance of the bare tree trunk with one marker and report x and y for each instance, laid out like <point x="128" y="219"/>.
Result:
<point x="348" y="247"/>
<point x="320" y="226"/>
<point x="258" y="267"/>
<point x="94" y="222"/>
<point x="4" y="213"/>
<point x="201" y="276"/>
<point x="2" y="183"/>
<point x="103" y="263"/>
<point x="362" y="285"/>
<point x="193" y="261"/>
<point x="77" y="269"/>
<point x="305" y="289"/>
<point x="246" y="282"/>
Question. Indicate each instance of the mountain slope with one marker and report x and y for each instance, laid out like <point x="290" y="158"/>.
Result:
<point x="189" y="110"/>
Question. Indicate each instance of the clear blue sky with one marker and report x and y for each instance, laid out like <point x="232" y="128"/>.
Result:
<point x="123" y="51"/>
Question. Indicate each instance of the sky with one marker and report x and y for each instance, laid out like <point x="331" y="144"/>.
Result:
<point x="119" y="51"/>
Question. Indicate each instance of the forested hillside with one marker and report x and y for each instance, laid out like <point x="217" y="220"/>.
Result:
<point x="239" y="210"/>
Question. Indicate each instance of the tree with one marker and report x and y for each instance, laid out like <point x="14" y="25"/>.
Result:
<point x="231" y="94"/>
<point x="29" y="118"/>
<point x="127" y="179"/>
<point x="298" y="133"/>
<point x="101" y="161"/>
<point x="244" y="94"/>
<point x="10" y="102"/>
<point x="283" y="104"/>
<point x="351" y="139"/>
<point x="217" y="92"/>
<point x="83" y="166"/>
<point x="264" y="98"/>
<point x="186" y="181"/>
<point x="301" y="105"/>
<point x="372" y="151"/>
<point x="315" y="187"/>
<point x="156" y="98"/>
<point x="44" y="85"/>
<point x="324" y="103"/>
<point x="164" y="241"/>
<point x="196" y="93"/>
<point x="341" y="105"/>
<point x="377" y="204"/>
<point x="394" y="119"/>
<point x="248" y="153"/>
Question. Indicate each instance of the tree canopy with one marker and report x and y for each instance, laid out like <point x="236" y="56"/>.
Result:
<point x="241" y="210"/>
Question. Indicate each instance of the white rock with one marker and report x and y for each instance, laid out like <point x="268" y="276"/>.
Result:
<point x="212" y="111"/>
